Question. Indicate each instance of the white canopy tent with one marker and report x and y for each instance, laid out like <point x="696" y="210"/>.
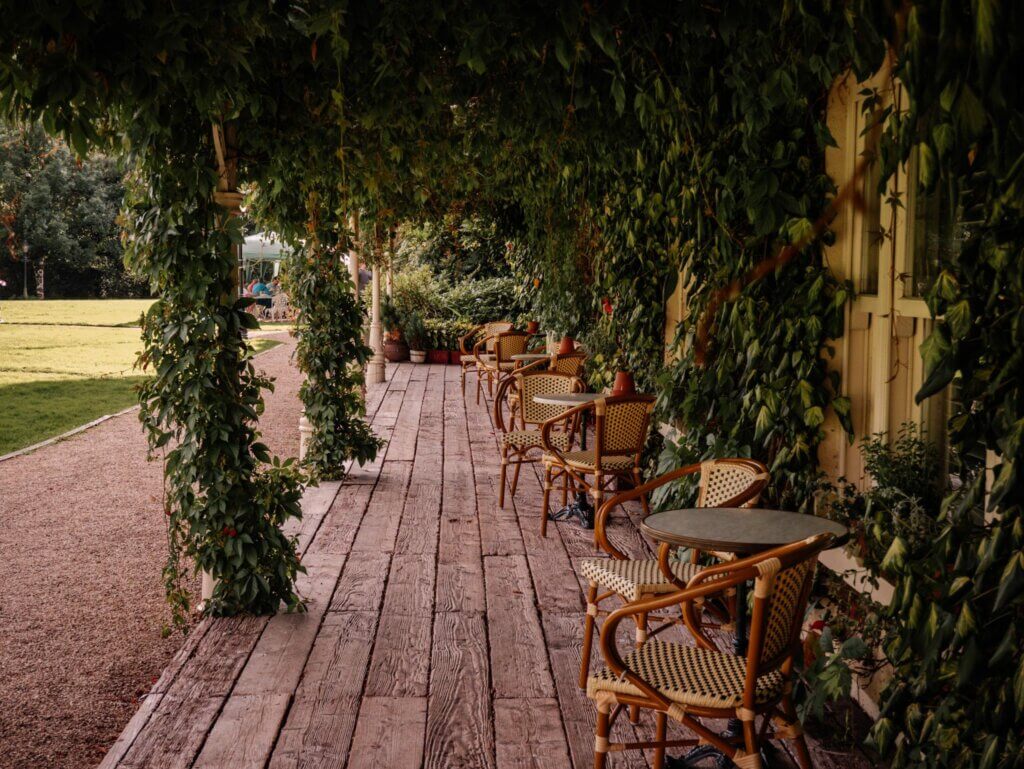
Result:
<point x="261" y="256"/>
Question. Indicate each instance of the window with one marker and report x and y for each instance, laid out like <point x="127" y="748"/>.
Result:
<point x="935" y="234"/>
<point x="872" y="233"/>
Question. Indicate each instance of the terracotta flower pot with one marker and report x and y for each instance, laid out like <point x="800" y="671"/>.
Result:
<point x="624" y="384"/>
<point x="566" y="346"/>
<point x="532" y="327"/>
<point x="455" y="356"/>
<point x="395" y="350"/>
<point x="437" y="356"/>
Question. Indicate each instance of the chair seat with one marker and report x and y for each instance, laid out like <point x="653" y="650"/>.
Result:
<point x="633" y="579"/>
<point x="528" y="439"/>
<point x="584" y="460"/>
<point x="688" y="675"/>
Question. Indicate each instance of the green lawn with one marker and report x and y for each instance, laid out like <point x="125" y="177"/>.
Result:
<point x="65" y="363"/>
<point x="79" y="312"/>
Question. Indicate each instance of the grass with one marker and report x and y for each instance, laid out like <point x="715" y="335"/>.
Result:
<point x="66" y="363"/>
<point x="78" y="312"/>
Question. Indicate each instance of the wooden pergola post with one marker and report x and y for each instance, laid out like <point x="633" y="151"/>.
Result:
<point x="227" y="196"/>
<point x="375" y="371"/>
<point x="353" y="255"/>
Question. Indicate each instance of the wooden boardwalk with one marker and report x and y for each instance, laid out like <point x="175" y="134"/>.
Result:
<point x="442" y="631"/>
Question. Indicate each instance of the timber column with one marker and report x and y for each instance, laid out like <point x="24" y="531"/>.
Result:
<point x="375" y="371"/>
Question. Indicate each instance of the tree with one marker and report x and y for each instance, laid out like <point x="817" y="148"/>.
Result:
<point x="60" y="215"/>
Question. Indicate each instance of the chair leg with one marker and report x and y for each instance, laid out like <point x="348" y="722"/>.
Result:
<point x="504" y="469"/>
<point x="479" y="385"/>
<point x="547" y="495"/>
<point x="588" y="633"/>
<point x="752" y="745"/>
<point x="565" y="489"/>
<point x="659" y="736"/>
<point x="803" y="755"/>
<point x="515" y="476"/>
<point x="638" y="480"/>
<point x="597" y="491"/>
<point x="463" y="377"/>
<point x="601" y="735"/>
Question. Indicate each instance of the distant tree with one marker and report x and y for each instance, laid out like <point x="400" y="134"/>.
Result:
<point x="60" y="214"/>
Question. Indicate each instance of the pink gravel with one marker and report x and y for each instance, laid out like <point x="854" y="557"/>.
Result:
<point x="82" y="609"/>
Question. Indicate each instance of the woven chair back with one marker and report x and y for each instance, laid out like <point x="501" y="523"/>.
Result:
<point x="621" y="424"/>
<point x="510" y="343"/>
<point x="725" y="479"/>
<point x="492" y="329"/>
<point x="544" y="383"/>
<point x="571" y="364"/>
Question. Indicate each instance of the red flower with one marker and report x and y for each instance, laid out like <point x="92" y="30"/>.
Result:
<point x="818" y="625"/>
<point x="606" y="305"/>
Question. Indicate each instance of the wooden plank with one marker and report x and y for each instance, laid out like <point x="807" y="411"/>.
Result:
<point x="389" y="733"/>
<point x="318" y="729"/>
<point x="316" y="501"/>
<point x="410" y="588"/>
<point x="400" y="666"/>
<point x="460" y="572"/>
<point x="407" y="426"/>
<point x="519" y="662"/>
<point x="341" y="523"/>
<point x="131" y="731"/>
<point x="361" y="586"/>
<point x="529" y="734"/>
<point x="400" y="379"/>
<point x="387" y="413"/>
<point x="460" y="733"/>
<point x="379" y="528"/>
<point x="177" y="728"/>
<point x="245" y="732"/>
<point x="276" y="663"/>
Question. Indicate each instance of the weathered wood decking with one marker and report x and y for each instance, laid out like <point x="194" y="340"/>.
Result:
<point x="442" y="631"/>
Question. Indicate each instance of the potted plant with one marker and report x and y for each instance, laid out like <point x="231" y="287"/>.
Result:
<point x="395" y="349"/>
<point x="415" y="332"/>
<point x="438" y="352"/>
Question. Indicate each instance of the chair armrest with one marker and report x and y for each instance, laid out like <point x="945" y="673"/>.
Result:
<point x="465" y="338"/>
<point x="499" y="399"/>
<point x="601" y="536"/>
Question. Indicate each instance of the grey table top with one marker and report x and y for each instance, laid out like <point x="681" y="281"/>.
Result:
<point x="736" y="529"/>
<point x="567" y="399"/>
<point x="531" y="356"/>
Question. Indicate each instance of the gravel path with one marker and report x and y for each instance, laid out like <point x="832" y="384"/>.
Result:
<point x="82" y="544"/>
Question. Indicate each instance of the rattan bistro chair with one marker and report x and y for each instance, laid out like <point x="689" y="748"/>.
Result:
<point x="731" y="482"/>
<point x="500" y="365"/>
<point x="688" y="683"/>
<point x="517" y="441"/>
<point x="620" y="431"/>
<point x="571" y="364"/>
<point x="477" y="342"/>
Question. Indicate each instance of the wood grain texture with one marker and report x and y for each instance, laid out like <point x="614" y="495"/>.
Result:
<point x="318" y="729"/>
<point x="460" y="571"/>
<point x="379" y="527"/>
<point x="460" y="732"/>
<point x="244" y="733"/>
<point x="529" y="734"/>
<point x="338" y="529"/>
<point x="361" y="586"/>
<point x="175" y="732"/>
<point x="389" y="733"/>
<point x="519" y="664"/>
<point x="400" y="666"/>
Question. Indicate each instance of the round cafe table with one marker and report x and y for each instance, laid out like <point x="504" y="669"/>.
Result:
<point x="743" y="531"/>
<point x="523" y="358"/>
<point x="580" y="508"/>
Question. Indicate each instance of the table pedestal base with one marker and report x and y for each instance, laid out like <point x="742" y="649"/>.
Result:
<point x="579" y="509"/>
<point x="702" y="752"/>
